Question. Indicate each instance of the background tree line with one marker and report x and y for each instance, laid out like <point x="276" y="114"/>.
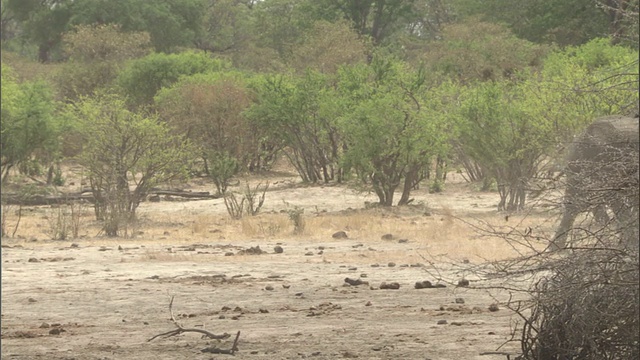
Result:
<point x="385" y="93"/>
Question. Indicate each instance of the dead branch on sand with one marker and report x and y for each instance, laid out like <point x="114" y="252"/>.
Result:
<point x="180" y="329"/>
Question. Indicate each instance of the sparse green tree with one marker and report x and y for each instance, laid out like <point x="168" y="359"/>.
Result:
<point x="208" y="109"/>
<point x="299" y="114"/>
<point x="393" y="125"/>
<point x="125" y="155"/>
<point x="30" y="130"/>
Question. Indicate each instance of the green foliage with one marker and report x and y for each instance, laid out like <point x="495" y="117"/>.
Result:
<point x="299" y="114"/>
<point x="327" y="46"/>
<point x="591" y="80"/>
<point x="480" y="51"/>
<point x="208" y="109"/>
<point x="29" y="128"/>
<point x="565" y="22"/>
<point x="97" y="43"/>
<point x="221" y="168"/>
<point x="43" y="22"/>
<point x="170" y="23"/>
<point x="96" y="55"/>
<point x="392" y="125"/>
<point x="143" y="78"/>
<point x="124" y="148"/>
<point x="375" y="19"/>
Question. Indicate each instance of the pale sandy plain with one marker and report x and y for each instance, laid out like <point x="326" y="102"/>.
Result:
<point x="102" y="298"/>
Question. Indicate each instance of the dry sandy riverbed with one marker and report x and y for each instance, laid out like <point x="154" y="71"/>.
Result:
<point x="99" y="298"/>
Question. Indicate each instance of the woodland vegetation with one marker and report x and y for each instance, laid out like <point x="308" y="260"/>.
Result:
<point x="384" y="93"/>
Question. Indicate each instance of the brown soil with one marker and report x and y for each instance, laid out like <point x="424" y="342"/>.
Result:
<point x="102" y="298"/>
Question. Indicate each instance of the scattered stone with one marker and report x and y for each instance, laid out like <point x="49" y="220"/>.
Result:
<point x="493" y="307"/>
<point x="286" y="286"/>
<point x="404" y="265"/>
<point x="34" y="260"/>
<point x="368" y="303"/>
<point x="222" y="317"/>
<point x="416" y="265"/>
<point x="32" y="300"/>
<point x="355" y="282"/>
<point x="254" y="250"/>
<point x="391" y="264"/>
<point x="375" y="265"/>
<point x="357" y="246"/>
<point x="154" y="277"/>
<point x="403" y="241"/>
<point x="426" y="284"/>
<point x="442" y="322"/>
<point x="459" y="301"/>
<point x="145" y="323"/>
<point x="120" y="248"/>
<point x="465" y="261"/>
<point x="363" y="275"/>
<point x="463" y="283"/>
<point x="390" y="286"/>
<point x="225" y="308"/>
<point x="340" y="235"/>
<point x="56" y="331"/>
<point x="353" y="268"/>
<point x="310" y="253"/>
<point x="229" y="253"/>
<point x="74" y="245"/>
<point x="278" y="249"/>
<point x="44" y="325"/>
<point x="491" y="333"/>
<point x="456" y="323"/>
<point x="268" y="288"/>
<point x="349" y="355"/>
<point x="320" y="247"/>
<point x="263" y="311"/>
<point x="299" y="294"/>
<point x="387" y="237"/>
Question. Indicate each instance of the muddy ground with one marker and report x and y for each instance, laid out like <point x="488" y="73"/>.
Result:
<point x="99" y="298"/>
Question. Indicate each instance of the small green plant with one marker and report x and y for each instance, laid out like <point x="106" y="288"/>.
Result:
<point x="295" y="215"/>
<point x="436" y="186"/>
<point x="58" y="180"/>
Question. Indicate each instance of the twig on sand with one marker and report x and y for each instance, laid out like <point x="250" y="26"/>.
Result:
<point x="180" y="329"/>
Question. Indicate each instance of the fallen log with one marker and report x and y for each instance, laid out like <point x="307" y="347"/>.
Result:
<point x="36" y="200"/>
<point x="66" y="198"/>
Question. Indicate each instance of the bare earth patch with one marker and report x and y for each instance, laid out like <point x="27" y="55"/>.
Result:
<point x="101" y="298"/>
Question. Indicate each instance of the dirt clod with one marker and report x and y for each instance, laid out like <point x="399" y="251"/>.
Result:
<point x="425" y="284"/>
<point x="390" y="286"/>
<point x="355" y="282"/>
<point x="340" y="235"/>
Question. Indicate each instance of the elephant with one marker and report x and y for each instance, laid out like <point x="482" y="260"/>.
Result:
<point x="602" y="177"/>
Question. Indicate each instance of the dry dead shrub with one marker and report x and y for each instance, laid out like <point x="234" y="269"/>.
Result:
<point x="251" y="203"/>
<point x="587" y="309"/>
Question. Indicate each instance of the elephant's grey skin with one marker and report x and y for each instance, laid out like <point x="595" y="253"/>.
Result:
<point x="602" y="174"/>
